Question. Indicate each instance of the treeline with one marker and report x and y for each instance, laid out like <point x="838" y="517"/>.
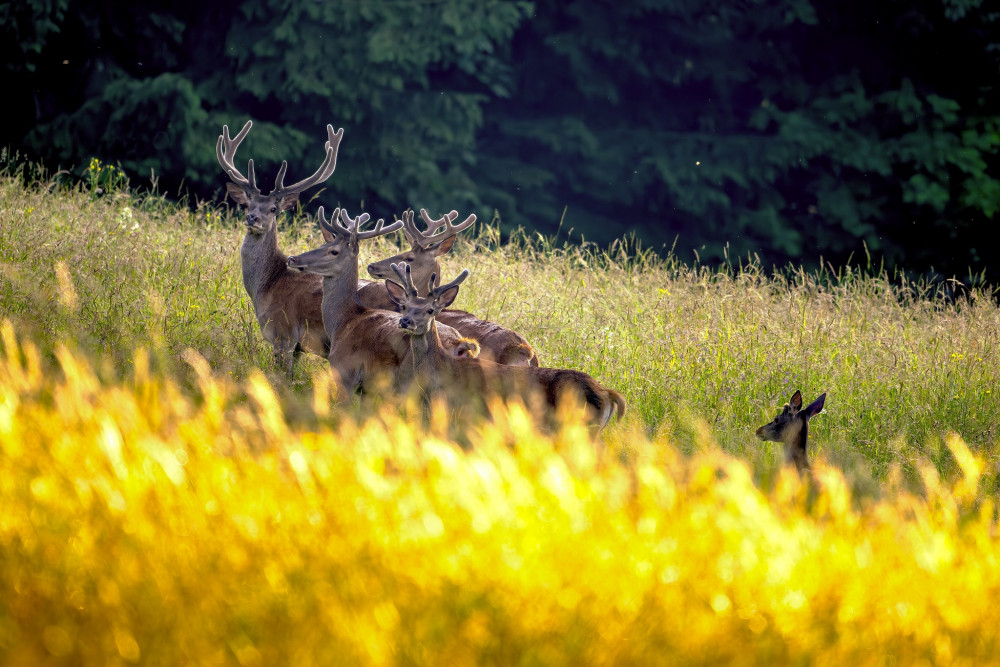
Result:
<point x="791" y="128"/>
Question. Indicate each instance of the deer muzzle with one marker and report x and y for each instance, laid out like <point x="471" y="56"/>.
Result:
<point x="252" y="224"/>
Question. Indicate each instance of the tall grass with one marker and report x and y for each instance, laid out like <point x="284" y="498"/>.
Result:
<point x="686" y="344"/>
<point x="145" y="522"/>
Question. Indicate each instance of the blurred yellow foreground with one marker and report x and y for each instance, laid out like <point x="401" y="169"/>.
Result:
<point x="147" y="523"/>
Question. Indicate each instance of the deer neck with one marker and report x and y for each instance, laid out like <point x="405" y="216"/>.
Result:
<point x="795" y="444"/>
<point x="339" y="304"/>
<point x="262" y="261"/>
<point x="426" y="350"/>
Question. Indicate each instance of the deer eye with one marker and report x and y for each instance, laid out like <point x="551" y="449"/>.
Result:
<point x="430" y="311"/>
<point x="408" y="258"/>
<point x="334" y="251"/>
<point x="274" y="209"/>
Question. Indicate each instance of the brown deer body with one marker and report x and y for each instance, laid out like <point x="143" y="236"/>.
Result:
<point x="498" y="343"/>
<point x="791" y="428"/>
<point x="367" y="346"/>
<point x="464" y="378"/>
<point x="286" y="304"/>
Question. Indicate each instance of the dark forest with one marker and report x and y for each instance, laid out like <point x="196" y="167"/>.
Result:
<point x="790" y="129"/>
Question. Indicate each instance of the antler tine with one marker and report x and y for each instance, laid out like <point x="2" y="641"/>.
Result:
<point x="225" y="151"/>
<point x="352" y="224"/>
<point x="326" y="168"/>
<point x="403" y="271"/>
<point x="252" y="176"/>
<point x="410" y="231"/>
<point x="434" y="226"/>
<point x="419" y="239"/>
<point x="380" y="229"/>
<point x="335" y="227"/>
<point x="437" y="291"/>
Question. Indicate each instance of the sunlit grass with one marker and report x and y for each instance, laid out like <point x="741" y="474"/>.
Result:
<point x="147" y="521"/>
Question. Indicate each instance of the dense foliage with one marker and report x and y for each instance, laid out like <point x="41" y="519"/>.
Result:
<point x="793" y="128"/>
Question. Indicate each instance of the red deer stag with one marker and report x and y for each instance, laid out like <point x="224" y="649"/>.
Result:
<point x="286" y="303"/>
<point x="499" y="343"/>
<point x="367" y="344"/>
<point x="465" y="378"/>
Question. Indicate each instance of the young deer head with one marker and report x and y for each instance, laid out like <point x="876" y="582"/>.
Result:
<point x="262" y="210"/>
<point x="418" y="312"/>
<point x="791" y="427"/>
<point x="425" y="247"/>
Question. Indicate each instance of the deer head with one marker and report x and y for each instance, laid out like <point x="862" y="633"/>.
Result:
<point x="262" y="210"/>
<point x="340" y="248"/>
<point x="425" y="248"/>
<point x="791" y="427"/>
<point x="418" y="312"/>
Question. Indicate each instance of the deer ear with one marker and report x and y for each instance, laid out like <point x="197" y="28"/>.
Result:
<point x="327" y="235"/>
<point x="815" y="407"/>
<point x="238" y="194"/>
<point x="288" y="202"/>
<point x="468" y="348"/>
<point x="444" y="246"/>
<point x="446" y="297"/>
<point x="396" y="293"/>
<point x="796" y="400"/>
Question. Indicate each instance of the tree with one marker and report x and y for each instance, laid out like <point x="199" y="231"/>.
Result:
<point x="789" y="128"/>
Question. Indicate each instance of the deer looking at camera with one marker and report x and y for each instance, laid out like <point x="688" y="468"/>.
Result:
<point x="286" y="303"/>
<point x="791" y="427"/>
<point x="367" y="345"/>
<point x="465" y="378"/>
<point x="499" y="343"/>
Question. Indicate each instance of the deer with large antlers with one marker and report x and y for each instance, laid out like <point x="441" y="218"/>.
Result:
<point x="366" y="344"/>
<point x="498" y="343"/>
<point x="286" y="303"/>
<point x="464" y="377"/>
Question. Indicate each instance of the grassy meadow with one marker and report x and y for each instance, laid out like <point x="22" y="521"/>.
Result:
<point x="169" y="496"/>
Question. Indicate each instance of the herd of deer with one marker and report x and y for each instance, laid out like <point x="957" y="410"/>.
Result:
<point x="402" y="330"/>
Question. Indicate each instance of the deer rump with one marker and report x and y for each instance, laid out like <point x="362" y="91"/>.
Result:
<point x="463" y="379"/>
<point x="497" y="343"/>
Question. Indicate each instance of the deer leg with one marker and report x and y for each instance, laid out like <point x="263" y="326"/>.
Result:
<point x="285" y="353"/>
<point x="348" y="379"/>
